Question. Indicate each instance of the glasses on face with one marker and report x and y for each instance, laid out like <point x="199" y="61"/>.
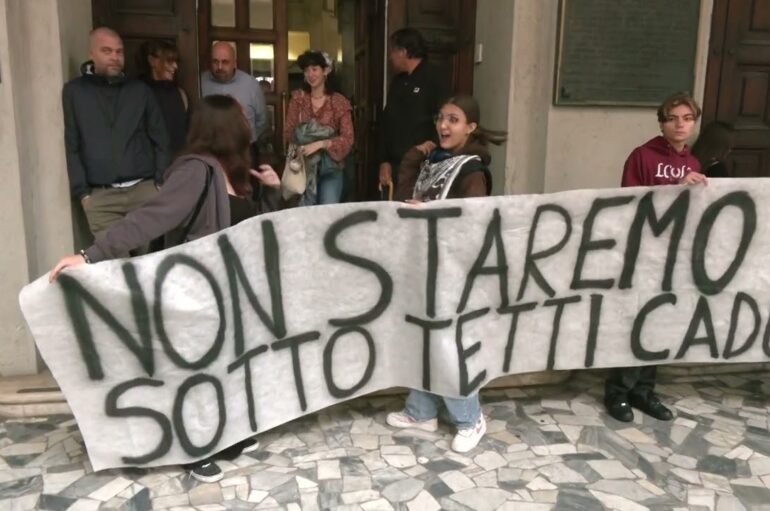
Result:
<point x="450" y="119"/>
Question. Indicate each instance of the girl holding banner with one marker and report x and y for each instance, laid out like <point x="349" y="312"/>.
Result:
<point x="458" y="168"/>
<point x="205" y="190"/>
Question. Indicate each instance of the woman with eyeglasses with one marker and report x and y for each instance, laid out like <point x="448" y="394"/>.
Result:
<point x="457" y="168"/>
<point x="157" y="63"/>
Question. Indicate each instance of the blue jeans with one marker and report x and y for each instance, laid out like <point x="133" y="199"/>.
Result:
<point x="329" y="187"/>
<point x="464" y="412"/>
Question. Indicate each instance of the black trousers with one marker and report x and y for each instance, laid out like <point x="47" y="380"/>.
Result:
<point x="626" y="381"/>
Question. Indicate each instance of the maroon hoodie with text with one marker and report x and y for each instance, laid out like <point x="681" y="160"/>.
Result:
<point x="658" y="163"/>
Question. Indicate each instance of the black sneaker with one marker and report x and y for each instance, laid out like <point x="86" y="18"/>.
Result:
<point x="206" y="471"/>
<point x="248" y="445"/>
<point x="235" y="450"/>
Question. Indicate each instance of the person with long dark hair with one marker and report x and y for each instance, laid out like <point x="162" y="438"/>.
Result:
<point x="216" y="160"/>
<point x="207" y="189"/>
<point x="157" y="62"/>
<point x="457" y="168"/>
<point x="319" y="120"/>
<point x="712" y="147"/>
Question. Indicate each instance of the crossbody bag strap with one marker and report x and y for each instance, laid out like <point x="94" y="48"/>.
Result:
<point x="199" y="204"/>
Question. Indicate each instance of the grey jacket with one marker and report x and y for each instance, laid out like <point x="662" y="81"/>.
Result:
<point x="169" y="212"/>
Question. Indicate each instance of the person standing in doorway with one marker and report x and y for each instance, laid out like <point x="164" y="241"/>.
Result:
<point x="157" y="62"/>
<point x="663" y="160"/>
<point x="207" y="190"/>
<point x="223" y="78"/>
<point x="414" y="98"/>
<point x="319" y="121"/>
<point x="714" y="144"/>
<point x="114" y="134"/>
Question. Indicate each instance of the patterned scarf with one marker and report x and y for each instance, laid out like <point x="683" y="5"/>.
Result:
<point x="435" y="179"/>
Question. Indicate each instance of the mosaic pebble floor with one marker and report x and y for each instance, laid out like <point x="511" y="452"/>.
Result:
<point x="550" y="447"/>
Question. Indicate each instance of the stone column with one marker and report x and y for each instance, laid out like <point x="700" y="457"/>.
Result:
<point x="37" y="40"/>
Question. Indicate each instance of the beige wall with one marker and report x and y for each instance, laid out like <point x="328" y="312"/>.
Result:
<point x="553" y="148"/>
<point x="579" y="154"/>
<point x="35" y="227"/>
<point x="18" y="352"/>
<point x="492" y="77"/>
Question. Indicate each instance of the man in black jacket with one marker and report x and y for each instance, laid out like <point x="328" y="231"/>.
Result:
<point x="414" y="98"/>
<point x="116" y="142"/>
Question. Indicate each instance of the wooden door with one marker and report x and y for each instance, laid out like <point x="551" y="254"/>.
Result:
<point x="449" y="29"/>
<point x="368" y="94"/>
<point x="258" y="30"/>
<point x="139" y="20"/>
<point x="738" y="81"/>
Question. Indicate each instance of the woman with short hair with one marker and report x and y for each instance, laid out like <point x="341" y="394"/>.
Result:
<point x="319" y="121"/>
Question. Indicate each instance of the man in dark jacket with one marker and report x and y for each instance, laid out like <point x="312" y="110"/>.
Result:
<point x="116" y="142"/>
<point x="414" y="98"/>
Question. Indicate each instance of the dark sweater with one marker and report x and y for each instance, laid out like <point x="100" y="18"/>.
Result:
<point x="169" y="98"/>
<point x="413" y="100"/>
<point x="113" y="132"/>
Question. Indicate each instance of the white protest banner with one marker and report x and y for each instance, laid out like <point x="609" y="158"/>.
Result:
<point x="173" y="356"/>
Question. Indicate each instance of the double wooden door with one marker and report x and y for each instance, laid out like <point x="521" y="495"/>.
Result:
<point x="139" y="20"/>
<point x="260" y="28"/>
<point x="738" y="81"/>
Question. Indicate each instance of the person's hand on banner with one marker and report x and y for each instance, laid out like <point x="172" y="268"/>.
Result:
<point x="694" y="178"/>
<point x="267" y="176"/>
<point x="66" y="262"/>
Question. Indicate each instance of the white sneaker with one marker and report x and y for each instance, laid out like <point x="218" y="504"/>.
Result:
<point x="467" y="439"/>
<point x="402" y="420"/>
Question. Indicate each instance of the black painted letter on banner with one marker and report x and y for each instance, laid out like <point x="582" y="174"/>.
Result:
<point x="386" y="283"/>
<point x="160" y="277"/>
<point x="111" y="409"/>
<point x="179" y="426"/>
<point x="745" y="204"/>
<point x="587" y="244"/>
<point x="432" y="216"/>
<point x="328" y="362"/>
<point x="530" y="268"/>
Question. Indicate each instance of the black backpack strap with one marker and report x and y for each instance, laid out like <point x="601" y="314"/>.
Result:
<point x="199" y="204"/>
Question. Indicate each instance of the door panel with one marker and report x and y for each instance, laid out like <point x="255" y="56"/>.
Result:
<point x="139" y="20"/>
<point x="367" y="98"/>
<point x="449" y="29"/>
<point x="738" y="81"/>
